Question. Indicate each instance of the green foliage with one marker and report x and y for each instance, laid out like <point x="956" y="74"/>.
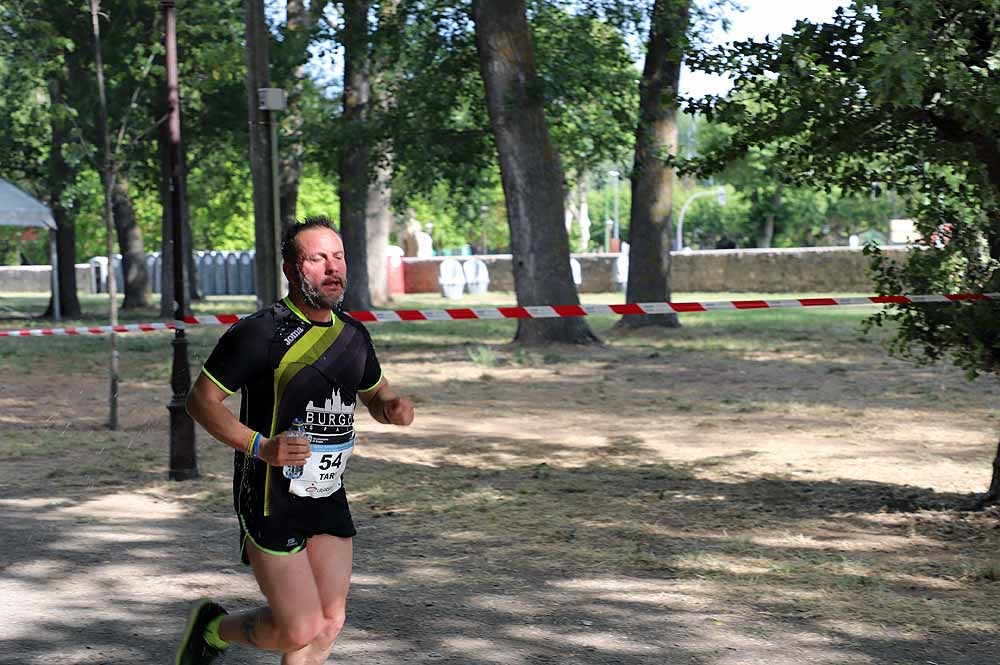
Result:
<point x="458" y="218"/>
<point x="438" y="125"/>
<point x="902" y="95"/>
<point x="591" y="86"/>
<point x="317" y="194"/>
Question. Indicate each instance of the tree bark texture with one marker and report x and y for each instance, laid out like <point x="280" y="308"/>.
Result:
<point x="992" y="495"/>
<point x="194" y="290"/>
<point x="378" y="213"/>
<point x="60" y="176"/>
<point x="297" y="29"/>
<point x="530" y="171"/>
<point x="378" y="221"/>
<point x="134" y="272"/>
<point x="355" y="156"/>
<point x="652" y="179"/>
<point x="267" y="275"/>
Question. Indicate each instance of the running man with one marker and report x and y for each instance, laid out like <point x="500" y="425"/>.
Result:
<point x="299" y="359"/>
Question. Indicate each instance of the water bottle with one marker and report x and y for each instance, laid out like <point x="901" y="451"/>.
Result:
<point x="298" y="430"/>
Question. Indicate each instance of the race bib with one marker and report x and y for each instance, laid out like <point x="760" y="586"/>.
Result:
<point x="322" y="473"/>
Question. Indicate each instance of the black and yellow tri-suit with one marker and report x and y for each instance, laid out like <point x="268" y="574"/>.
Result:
<point x="286" y="367"/>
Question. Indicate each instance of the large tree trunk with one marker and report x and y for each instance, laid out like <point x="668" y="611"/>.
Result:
<point x="267" y="259"/>
<point x="297" y="28"/>
<point x="354" y="160"/>
<point x="194" y="290"/>
<point x="530" y="171"/>
<point x="134" y="271"/>
<point x="378" y="222"/>
<point x="378" y="211"/>
<point x="652" y="179"/>
<point x="60" y="177"/>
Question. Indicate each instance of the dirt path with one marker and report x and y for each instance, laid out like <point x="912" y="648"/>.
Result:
<point x="633" y="504"/>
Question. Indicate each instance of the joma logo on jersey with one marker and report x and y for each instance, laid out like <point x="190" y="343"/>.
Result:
<point x="294" y="335"/>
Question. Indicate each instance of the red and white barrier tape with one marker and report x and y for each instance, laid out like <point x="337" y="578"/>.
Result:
<point x="536" y="312"/>
<point x="89" y="330"/>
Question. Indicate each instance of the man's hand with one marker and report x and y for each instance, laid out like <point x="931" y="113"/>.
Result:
<point x="284" y="450"/>
<point x="398" y="411"/>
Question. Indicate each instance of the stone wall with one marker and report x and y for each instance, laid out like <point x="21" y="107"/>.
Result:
<point x="38" y="279"/>
<point x="816" y="269"/>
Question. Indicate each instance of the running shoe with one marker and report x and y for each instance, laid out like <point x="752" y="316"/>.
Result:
<point x="193" y="649"/>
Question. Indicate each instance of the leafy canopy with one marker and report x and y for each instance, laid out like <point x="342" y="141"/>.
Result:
<point x="902" y="95"/>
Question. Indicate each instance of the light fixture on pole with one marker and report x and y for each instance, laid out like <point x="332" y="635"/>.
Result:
<point x="679" y="235"/>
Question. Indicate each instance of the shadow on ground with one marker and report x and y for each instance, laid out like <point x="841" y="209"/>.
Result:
<point x="616" y="562"/>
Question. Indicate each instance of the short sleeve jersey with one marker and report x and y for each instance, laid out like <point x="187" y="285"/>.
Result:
<point x="286" y="367"/>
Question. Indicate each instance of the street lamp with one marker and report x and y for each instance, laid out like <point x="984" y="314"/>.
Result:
<point x="183" y="457"/>
<point x="678" y="239"/>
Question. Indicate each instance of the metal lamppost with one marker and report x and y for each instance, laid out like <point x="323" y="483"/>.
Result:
<point x="678" y="240"/>
<point x="183" y="460"/>
<point x="269" y="101"/>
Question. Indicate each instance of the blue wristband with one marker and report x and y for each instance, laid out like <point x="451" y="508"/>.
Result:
<point x="256" y="445"/>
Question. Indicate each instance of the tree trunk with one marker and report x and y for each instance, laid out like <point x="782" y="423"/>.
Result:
<point x="61" y="175"/>
<point x="652" y="180"/>
<point x="583" y="207"/>
<point x="267" y="275"/>
<point x="384" y="70"/>
<point x="530" y="171"/>
<point x="297" y="28"/>
<point x="378" y="222"/>
<point x="766" y="236"/>
<point x="194" y="290"/>
<point x="134" y="271"/>
<point x="354" y="160"/>
<point x="992" y="495"/>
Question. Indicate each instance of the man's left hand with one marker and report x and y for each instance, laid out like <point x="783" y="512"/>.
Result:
<point x="398" y="411"/>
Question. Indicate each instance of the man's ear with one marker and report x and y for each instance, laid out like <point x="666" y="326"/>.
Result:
<point x="289" y="272"/>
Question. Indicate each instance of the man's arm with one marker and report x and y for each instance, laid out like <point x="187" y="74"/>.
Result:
<point x="386" y="406"/>
<point x="205" y="404"/>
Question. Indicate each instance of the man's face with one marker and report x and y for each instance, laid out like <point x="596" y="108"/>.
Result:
<point x="321" y="272"/>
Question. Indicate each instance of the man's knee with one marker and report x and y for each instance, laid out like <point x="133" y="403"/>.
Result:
<point x="332" y="625"/>
<point x="301" y="632"/>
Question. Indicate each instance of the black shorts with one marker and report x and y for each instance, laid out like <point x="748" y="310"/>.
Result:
<point x="287" y="532"/>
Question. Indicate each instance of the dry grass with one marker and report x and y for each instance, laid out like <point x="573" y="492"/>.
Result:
<point x="779" y="469"/>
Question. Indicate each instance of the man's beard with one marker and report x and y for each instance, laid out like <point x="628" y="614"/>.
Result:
<point x="314" y="298"/>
